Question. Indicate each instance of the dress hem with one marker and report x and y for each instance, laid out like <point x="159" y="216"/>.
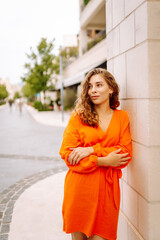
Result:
<point x="90" y="235"/>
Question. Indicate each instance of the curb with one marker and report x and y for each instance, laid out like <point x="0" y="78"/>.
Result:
<point x="10" y="195"/>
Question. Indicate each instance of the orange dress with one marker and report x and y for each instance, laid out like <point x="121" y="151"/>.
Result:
<point x="91" y="193"/>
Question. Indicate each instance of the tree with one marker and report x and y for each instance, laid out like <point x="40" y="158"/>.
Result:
<point x="69" y="54"/>
<point x="3" y="92"/>
<point x="43" y="64"/>
<point x="28" y="92"/>
<point x="17" y="95"/>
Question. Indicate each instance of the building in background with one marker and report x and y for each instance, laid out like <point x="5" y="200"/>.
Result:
<point x="91" y="41"/>
<point x="129" y="47"/>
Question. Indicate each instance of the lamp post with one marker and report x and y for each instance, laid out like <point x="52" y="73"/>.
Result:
<point x="61" y="78"/>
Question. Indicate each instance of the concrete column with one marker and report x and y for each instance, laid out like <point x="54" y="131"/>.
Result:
<point x="133" y="54"/>
<point x="83" y="39"/>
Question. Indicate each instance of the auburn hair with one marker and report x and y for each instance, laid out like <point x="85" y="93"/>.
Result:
<point x="85" y="108"/>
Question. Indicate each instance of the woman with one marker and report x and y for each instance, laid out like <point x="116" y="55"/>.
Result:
<point x="96" y="145"/>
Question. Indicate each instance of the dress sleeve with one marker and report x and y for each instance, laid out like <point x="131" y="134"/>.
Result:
<point x="124" y="141"/>
<point x="71" y="139"/>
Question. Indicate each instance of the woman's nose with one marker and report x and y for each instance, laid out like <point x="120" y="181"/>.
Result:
<point x="94" y="89"/>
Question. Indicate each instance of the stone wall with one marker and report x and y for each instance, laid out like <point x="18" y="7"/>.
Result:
<point x="133" y="56"/>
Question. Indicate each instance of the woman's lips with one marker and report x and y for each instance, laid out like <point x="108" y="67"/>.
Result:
<point x="94" y="97"/>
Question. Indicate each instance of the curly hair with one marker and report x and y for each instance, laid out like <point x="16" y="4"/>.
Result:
<point x="85" y="108"/>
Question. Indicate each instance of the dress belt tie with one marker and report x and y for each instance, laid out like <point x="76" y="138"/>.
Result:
<point x="112" y="177"/>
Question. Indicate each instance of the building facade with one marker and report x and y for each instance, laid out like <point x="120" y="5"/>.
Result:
<point x="129" y="47"/>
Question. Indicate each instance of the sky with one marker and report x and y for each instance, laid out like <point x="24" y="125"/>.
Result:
<point x="22" y="25"/>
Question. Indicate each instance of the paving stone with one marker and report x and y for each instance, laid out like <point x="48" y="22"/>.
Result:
<point x="3" y="236"/>
<point x="20" y="192"/>
<point x="2" y="207"/>
<point x="1" y="199"/>
<point x="5" y="200"/>
<point x="5" y="191"/>
<point x="8" y="211"/>
<point x="21" y="185"/>
<point x="1" y="196"/>
<point x="7" y="219"/>
<point x="11" y="203"/>
<point x="17" y="189"/>
<point x="26" y="186"/>
<point x="12" y="187"/>
<point x="10" y="194"/>
<point x="34" y="181"/>
<point x="5" y="228"/>
<point x="15" y="197"/>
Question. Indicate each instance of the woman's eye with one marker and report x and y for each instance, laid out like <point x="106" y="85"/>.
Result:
<point x="89" y="87"/>
<point x="99" y="85"/>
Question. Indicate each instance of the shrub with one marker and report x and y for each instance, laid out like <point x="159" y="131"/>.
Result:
<point x="2" y="102"/>
<point x="58" y="101"/>
<point x="37" y="105"/>
<point x="42" y="107"/>
<point x="3" y="92"/>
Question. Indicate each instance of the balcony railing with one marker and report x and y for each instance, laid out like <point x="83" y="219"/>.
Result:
<point x="96" y="39"/>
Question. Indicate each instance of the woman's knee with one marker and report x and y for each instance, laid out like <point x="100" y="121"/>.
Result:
<point x="96" y="237"/>
<point x="78" y="236"/>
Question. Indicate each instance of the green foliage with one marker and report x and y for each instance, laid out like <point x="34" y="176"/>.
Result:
<point x="86" y="2"/>
<point x="37" y="105"/>
<point x="28" y="91"/>
<point x="17" y="95"/>
<point x="93" y="42"/>
<point x="3" y="92"/>
<point x="58" y="101"/>
<point x="51" y="103"/>
<point x="41" y="67"/>
<point x="42" y="107"/>
<point x="69" y="98"/>
<point x="2" y="102"/>
<point x="69" y="54"/>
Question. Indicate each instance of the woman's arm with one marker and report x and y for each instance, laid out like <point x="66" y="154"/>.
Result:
<point x="114" y="159"/>
<point x="124" y="144"/>
<point x="123" y="147"/>
<point x="71" y="139"/>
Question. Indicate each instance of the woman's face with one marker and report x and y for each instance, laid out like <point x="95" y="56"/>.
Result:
<point x="98" y="90"/>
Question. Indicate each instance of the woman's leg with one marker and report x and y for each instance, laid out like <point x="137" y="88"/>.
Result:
<point x="78" y="236"/>
<point x="96" y="237"/>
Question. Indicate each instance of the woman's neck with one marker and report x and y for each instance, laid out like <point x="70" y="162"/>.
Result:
<point x="102" y="109"/>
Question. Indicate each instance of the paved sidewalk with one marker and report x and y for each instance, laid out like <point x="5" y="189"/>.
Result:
<point x="3" y="106"/>
<point x="49" y="118"/>
<point x="37" y="213"/>
<point x="34" y="212"/>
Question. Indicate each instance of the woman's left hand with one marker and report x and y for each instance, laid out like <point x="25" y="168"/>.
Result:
<point x="79" y="153"/>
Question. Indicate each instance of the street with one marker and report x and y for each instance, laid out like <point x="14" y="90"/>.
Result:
<point x="26" y="147"/>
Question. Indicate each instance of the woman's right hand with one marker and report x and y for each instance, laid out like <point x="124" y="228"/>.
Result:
<point x="114" y="159"/>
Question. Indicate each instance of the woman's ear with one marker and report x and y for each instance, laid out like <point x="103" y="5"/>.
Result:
<point x="110" y="91"/>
